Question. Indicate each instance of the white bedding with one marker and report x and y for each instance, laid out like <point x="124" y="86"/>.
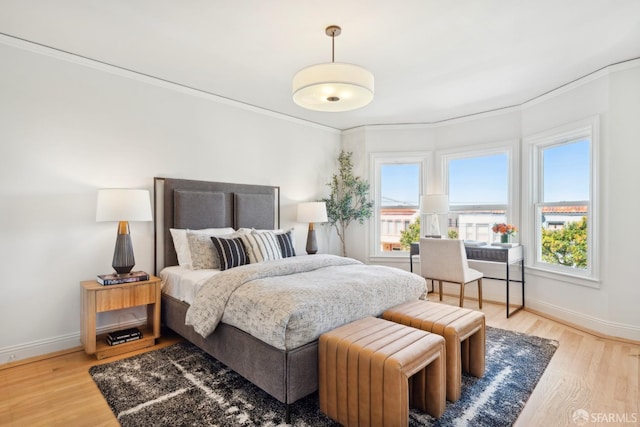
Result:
<point x="184" y="283"/>
<point x="290" y="302"/>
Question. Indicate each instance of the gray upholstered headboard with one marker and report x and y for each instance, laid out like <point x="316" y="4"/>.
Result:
<point x="182" y="203"/>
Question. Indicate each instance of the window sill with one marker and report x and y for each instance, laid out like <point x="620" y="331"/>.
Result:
<point x="563" y="277"/>
<point x="395" y="259"/>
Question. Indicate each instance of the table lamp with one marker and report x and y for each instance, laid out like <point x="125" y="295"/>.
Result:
<point x="434" y="204"/>
<point x="123" y="205"/>
<point x="312" y="212"/>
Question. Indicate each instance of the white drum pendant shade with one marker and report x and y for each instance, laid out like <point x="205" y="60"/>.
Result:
<point x="333" y="87"/>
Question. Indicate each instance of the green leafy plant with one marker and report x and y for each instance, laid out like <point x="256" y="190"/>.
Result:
<point x="348" y="200"/>
<point x="566" y="246"/>
<point x="410" y="235"/>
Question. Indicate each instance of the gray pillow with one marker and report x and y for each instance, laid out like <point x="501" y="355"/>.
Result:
<point x="203" y="254"/>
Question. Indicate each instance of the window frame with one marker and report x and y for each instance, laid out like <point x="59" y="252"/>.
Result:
<point x="376" y="160"/>
<point x="510" y="148"/>
<point x="536" y="144"/>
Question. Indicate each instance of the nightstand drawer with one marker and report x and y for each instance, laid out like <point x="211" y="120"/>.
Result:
<point x="126" y="296"/>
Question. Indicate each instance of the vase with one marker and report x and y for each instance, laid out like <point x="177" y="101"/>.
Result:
<point x="504" y="238"/>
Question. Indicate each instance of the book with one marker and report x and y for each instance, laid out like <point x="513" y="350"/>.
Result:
<point x="124" y="333"/>
<point x="116" y="279"/>
<point x="124" y="340"/>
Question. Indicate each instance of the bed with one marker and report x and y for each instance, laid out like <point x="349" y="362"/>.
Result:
<point x="285" y="367"/>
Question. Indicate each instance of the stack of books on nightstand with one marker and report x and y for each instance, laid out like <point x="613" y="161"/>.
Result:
<point x="116" y="279"/>
<point x="125" y="335"/>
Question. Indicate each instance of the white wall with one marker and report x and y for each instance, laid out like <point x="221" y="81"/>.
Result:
<point x="69" y="127"/>
<point x="611" y="308"/>
<point x="621" y="196"/>
<point x="613" y="95"/>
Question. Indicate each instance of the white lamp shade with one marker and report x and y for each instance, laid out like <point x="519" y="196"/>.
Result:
<point x="333" y="87"/>
<point x="312" y="212"/>
<point x="119" y="204"/>
<point x="434" y="204"/>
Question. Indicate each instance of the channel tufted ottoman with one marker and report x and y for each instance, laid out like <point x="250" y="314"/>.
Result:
<point x="462" y="329"/>
<point x="371" y="370"/>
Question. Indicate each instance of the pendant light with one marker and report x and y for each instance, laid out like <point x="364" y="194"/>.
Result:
<point x="333" y="86"/>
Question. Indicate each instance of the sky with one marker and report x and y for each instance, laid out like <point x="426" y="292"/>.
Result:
<point x="479" y="180"/>
<point x="566" y="171"/>
<point x="484" y="180"/>
<point x="400" y="184"/>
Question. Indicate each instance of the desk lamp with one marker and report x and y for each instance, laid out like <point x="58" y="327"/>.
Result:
<point x="434" y="205"/>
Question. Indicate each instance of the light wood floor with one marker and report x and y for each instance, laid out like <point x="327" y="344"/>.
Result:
<point x="597" y="375"/>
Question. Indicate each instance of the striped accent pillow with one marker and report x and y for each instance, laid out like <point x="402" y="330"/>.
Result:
<point x="230" y="251"/>
<point x="285" y="240"/>
<point x="262" y="246"/>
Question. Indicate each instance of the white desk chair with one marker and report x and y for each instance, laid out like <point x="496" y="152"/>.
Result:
<point x="445" y="260"/>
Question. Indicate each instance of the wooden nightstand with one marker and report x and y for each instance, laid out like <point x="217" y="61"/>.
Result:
<point x="96" y="298"/>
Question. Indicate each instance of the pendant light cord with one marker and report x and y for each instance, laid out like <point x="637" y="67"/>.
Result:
<point x="333" y="46"/>
<point x="333" y="31"/>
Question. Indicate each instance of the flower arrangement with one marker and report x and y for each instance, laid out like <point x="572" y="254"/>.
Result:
<point x="507" y="229"/>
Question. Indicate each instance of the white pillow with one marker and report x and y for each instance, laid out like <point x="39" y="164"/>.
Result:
<point x="181" y="244"/>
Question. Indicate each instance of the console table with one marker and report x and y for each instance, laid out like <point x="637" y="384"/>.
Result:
<point x="488" y="253"/>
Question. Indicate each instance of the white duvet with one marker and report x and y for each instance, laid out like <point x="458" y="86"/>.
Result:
<point x="290" y="302"/>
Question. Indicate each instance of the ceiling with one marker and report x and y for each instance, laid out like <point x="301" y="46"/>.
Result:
<point x="433" y="60"/>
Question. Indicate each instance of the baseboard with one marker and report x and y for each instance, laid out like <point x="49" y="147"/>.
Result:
<point x="60" y="343"/>
<point x="36" y="348"/>
<point x="590" y="324"/>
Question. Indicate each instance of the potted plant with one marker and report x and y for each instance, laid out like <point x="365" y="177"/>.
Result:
<point x="348" y="200"/>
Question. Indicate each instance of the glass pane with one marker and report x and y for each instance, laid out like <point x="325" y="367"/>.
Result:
<point x="475" y="224"/>
<point x="482" y="180"/>
<point x="400" y="184"/>
<point x="399" y="204"/>
<point x="564" y="235"/>
<point x="479" y="180"/>
<point x="566" y="172"/>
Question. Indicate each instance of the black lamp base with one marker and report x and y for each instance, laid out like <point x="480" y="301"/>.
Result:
<point x="312" y="243"/>
<point x="123" y="260"/>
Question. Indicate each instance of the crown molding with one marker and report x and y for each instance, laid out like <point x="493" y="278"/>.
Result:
<point x="167" y="84"/>
<point x="84" y="61"/>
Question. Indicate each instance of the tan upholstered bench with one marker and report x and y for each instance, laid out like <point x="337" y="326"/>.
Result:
<point x="372" y="369"/>
<point x="462" y="329"/>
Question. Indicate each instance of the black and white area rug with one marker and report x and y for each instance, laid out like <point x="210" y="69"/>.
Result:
<point x="182" y="386"/>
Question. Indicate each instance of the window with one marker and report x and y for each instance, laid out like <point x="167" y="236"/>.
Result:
<point x="563" y="206"/>
<point x="398" y="183"/>
<point x="479" y="192"/>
